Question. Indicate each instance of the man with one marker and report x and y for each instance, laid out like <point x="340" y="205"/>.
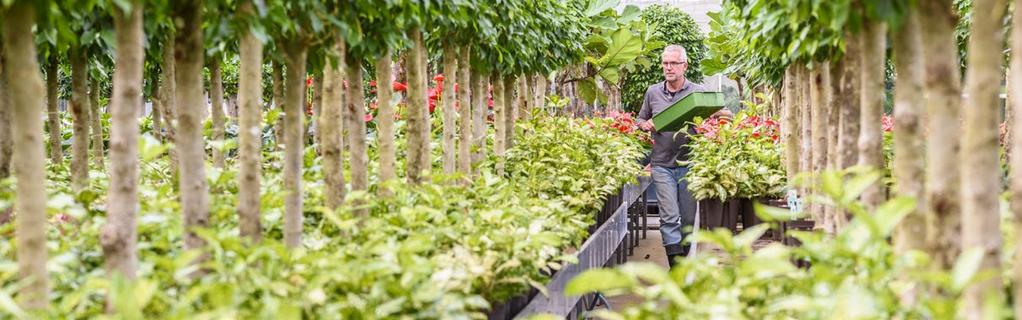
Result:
<point x="677" y="207"/>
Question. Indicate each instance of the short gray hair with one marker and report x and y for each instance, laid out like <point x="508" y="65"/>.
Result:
<point x="679" y="49"/>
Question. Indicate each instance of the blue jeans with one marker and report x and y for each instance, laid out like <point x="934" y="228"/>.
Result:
<point x="677" y="207"/>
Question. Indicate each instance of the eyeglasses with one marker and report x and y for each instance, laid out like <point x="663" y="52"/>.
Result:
<point x="672" y="64"/>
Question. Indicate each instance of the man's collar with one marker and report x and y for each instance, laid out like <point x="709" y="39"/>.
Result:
<point x="663" y="87"/>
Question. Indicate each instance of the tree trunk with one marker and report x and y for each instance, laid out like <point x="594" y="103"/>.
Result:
<point x="26" y="93"/>
<point x="216" y="86"/>
<point x="96" y="121"/>
<point x="479" y="111"/>
<point x="330" y="128"/>
<point x="539" y="91"/>
<point x="820" y="84"/>
<point x="908" y="141"/>
<point x="1015" y="128"/>
<point x="278" y="100"/>
<point x="510" y="112"/>
<point x="317" y="107"/>
<point x="849" y="102"/>
<point x="524" y="100"/>
<point x="465" y="112"/>
<point x="449" y="115"/>
<point x="871" y="139"/>
<point x="355" y="113"/>
<point x="980" y="160"/>
<point x="188" y="55"/>
<point x="789" y="124"/>
<point x="6" y="135"/>
<point x="806" y="124"/>
<point x="80" y="120"/>
<point x="400" y="68"/>
<point x="53" y="114"/>
<point x="294" y="145"/>
<point x="418" y="163"/>
<point x="832" y="214"/>
<point x="169" y="97"/>
<point x="943" y="104"/>
<point x="250" y="116"/>
<point x="385" y="119"/>
<point x="499" y="112"/>
<point x="157" y="100"/>
<point x="119" y="234"/>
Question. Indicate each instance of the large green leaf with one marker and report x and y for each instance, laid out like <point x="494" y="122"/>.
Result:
<point x="624" y="47"/>
<point x="599" y="6"/>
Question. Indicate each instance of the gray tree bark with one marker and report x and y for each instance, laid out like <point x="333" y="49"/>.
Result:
<point x="96" y="121"/>
<point x="294" y="145"/>
<point x="250" y="116"/>
<point x="80" y="119"/>
<point x="330" y="128"/>
<point x="216" y="88"/>
<point x="980" y="159"/>
<point x="449" y="114"/>
<point x="943" y="92"/>
<point x="26" y="95"/>
<point x="385" y="121"/>
<point x="190" y="145"/>
<point x="419" y="157"/>
<point x="119" y="234"/>
<point x="52" y="113"/>
<point x="871" y="139"/>
<point x="465" y="113"/>
<point x="357" y="150"/>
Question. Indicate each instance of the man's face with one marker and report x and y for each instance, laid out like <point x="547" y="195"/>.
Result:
<point x="674" y="67"/>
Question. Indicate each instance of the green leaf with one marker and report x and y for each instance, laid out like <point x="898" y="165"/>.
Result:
<point x="611" y="75"/>
<point x="965" y="268"/>
<point x="599" y="6"/>
<point x="624" y="47"/>
<point x="598" y="280"/>
<point x="588" y="90"/>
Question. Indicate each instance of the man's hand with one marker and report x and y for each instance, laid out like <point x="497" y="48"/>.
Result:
<point x="646" y="125"/>
<point x="722" y="113"/>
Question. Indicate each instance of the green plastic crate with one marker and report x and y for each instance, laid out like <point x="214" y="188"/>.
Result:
<point x="696" y="104"/>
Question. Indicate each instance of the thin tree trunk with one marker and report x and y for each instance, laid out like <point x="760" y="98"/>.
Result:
<point x="849" y="101"/>
<point x="216" y="86"/>
<point x="80" y="119"/>
<point x="26" y="93"/>
<point x="908" y="140"/>
<point x="53" y="115"/>
<point x="188" y="55"/>
<point x="385" y="121"/>
<point x="157" y="100"/>
<point x="6" y="136"/>
<point x="539" y="92"/>
<point x="6" y="142"/>
<point x="524" y="100"/>
<point x="510" y="112"/>
<point x="833" y="135"/>
<point x="294" y="144"/>
<point x="317" y="107"/>
<point x="119" y="234"/>
<point x="96" y="121"/>
<point x="943" y="104"/>
<point x="278" y="100"/>
<point x="499" y="124"/>
<point x="820" y="84"/>
<point x="330" y="128"/>
<point x="465" y="113"/>
<point x="449" y="114"/>
<point x="418" y="163"/>
<point x="169" y="96"/>
<point x="479" y="111"/>
<point x="806" y="124"/>
<point x="980" y="160"/>
<point x="789" y="124"/>
<point x="1015" y="129"/>
<point x="355" y="113"/>
<point x="250" y="116"/>
<point x="871" y="139"/>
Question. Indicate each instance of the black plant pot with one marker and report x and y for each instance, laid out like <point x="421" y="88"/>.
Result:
<point x="714" y="214"/>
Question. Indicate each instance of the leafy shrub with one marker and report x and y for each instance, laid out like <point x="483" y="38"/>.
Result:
<point x="438" y="250"/>
<point x="736" y="159"/>
<point x="671" y="26"/>
<point x="854" y="274"/>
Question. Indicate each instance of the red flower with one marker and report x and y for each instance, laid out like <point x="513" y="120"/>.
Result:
<point x="432" y="106"/>
<point x="887" y="122"/>
<point x="372" y="83"/>
<point x="400" y="87"/>
<point x="368" y="117"/>
<point x="455" y="87"/>
<point x="438" y="78"/>
<point x="373" y="105"/>
<point x="308" y="81"/>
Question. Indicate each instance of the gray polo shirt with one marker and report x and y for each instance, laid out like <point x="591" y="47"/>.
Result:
<point x="668" y="148"/>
